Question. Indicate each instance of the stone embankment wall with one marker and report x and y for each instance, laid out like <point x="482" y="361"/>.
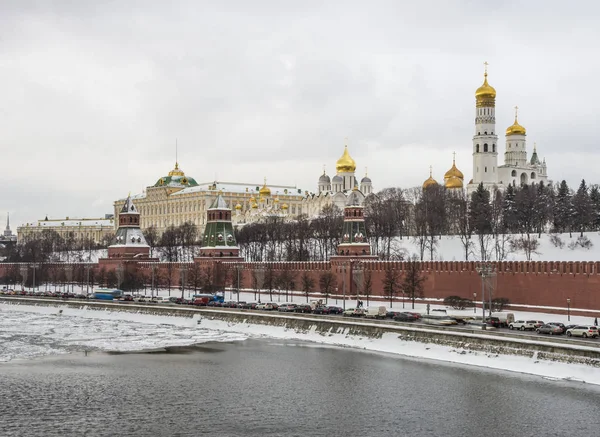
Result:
<point x="495" y="343"/>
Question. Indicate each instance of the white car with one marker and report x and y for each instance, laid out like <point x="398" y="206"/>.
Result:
<point x="523" y="325"/>
<point x="583" y="331"/>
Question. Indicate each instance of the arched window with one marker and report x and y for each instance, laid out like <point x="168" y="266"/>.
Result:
<point x="485" y="147"/>
<point x="485" y="169"/>
<point x="523" y="178"/>
<point x="532" y="175"/>
<point x="477" y="148"/>
<point x="494" y="148"/>
<point x="514" y="173"/>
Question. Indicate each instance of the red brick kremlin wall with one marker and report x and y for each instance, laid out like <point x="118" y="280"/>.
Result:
<point x="526" y="283"/>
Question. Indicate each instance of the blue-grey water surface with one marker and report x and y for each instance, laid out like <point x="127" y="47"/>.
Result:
<point x="267" y="388"/>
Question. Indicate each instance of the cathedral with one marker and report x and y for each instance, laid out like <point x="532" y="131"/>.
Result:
<point x="335" y="190"/>
<point x="518" y="168"/>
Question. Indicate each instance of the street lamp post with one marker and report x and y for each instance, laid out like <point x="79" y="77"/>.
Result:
<point x="238" y="267"/>
<point x="183" y="270"/>
<point x="474" y="303"/>
<point x="344" y="270"/>
<point x="568" y="309"/>
<point x="87" y="279"/>
<point x="485" y="270"/>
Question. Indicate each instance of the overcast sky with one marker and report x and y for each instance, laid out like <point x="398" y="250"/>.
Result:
<point x="95" y="94"/>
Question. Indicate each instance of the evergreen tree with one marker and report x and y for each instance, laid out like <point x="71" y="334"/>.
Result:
<point x="595" y="200"/>
<point x="509" y="214"/>
<point x="480" y="217"/>
<point x="581" y="212"/>
<point x="563" y="209"/>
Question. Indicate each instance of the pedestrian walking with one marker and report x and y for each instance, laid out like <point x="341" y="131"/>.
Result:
<point x="596" y="321"/>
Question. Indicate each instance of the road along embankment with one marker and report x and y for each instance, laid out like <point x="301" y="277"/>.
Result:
<point x="464" y="341"/>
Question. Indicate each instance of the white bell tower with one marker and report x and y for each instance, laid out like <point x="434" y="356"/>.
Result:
<point x="485" y="140"/>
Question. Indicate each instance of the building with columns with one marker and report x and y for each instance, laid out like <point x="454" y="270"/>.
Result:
<point x="177" y="198"/>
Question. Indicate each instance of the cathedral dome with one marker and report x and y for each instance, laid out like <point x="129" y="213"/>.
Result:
<point x="264" y="191"/>
<point x="454" y="172"/>
<point x="453" y="182"/>
<point x="176" y="171"/>
<point x="365" y="180"/>
<point x="324" y="179"/>
<point x="515" y="128"/>
<point x="345" y="164"/>
<point x="284" y="206"/>
<point x="238" y="207"/>
<point x="337" y="179"/>
<point x="430" y="181"/>
<point x="485" y="94"/>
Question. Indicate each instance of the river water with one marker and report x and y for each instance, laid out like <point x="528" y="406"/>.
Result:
<point x="260" y="387"/>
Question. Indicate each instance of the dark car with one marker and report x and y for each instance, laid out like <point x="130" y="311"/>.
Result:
<point x="335" y="310"/>
<point x="405" y="317"/>
<point x="304" y="308"/>
<point x="550" y="329"/>
<point x="392" y="314"/>
<point x="321" y="310"/>
<point x="562" y="326"/>
<point x="493" y="321"/>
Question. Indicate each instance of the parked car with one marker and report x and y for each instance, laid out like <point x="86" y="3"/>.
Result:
<point x="321" y="310"/>
<point x="304" y="308"/>
<point x="505" y="318"/>
<point x="569" y="327"/>
<point x="538" y="323"/>
<point x="405" y="317"/>
<point x="493" y="321"/>
<point x="562" y="326"/>
<point x="583" y="331"/>
<point x="549" y="329"/>
<point x="523" y="325"/>
<point x="335" y="310"/>
<point x="392" y="314"/>
<point x="287" y="308"/>
<point x="375" y="312"/>
<point x="353" y="312"/>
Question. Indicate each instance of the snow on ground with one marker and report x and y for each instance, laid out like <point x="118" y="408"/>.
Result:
<point x="450" y="248"/>
<point x="29" y="331"/>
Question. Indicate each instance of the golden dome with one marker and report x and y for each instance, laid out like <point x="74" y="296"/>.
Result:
<point x="430" y="181"/>
<point x="284" y="206"/>
<point x="345" y="164"/>
<point x="485" y="94"/>
<point x="454" y="172"/>
<point x="454" y="182"/>
<point x="515" y="128"/>
<point x="238" y="207"/>
<point x="276" y="200"/>
<point x="176" y="171"/>
<point x="254" y="205"/>
<point x="265" y="191"/>
<point x="252" y="199"/>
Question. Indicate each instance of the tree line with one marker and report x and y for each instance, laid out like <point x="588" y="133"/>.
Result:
<point x="485" y="222"/>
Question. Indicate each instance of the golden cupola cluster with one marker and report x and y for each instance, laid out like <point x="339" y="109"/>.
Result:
<point x="345" y="164"/>
<point x="454" y="178"/>
<point x="485" y="94"/>
<point x="430" y="181"/>
<point x="515" y="128"/>
<point x="264" y="191"/>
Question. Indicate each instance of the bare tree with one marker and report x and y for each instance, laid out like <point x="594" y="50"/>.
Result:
<point x="327" y="283"/>
<point x="391" y="283"/>
<point x="413" y="281"/>
<point x="308" y="283"/>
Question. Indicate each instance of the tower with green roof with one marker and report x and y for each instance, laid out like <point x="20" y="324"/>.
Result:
<point x="218" y="240"/>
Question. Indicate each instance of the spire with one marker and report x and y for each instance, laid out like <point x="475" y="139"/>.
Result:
<point x="128" y="206"/>
<point x="535" y="160"/>
<point x="516" y="113"/>
<point x="8" y="221"/>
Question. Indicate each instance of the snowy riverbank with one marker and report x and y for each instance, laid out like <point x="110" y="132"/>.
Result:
<point x="65" y="330"/>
